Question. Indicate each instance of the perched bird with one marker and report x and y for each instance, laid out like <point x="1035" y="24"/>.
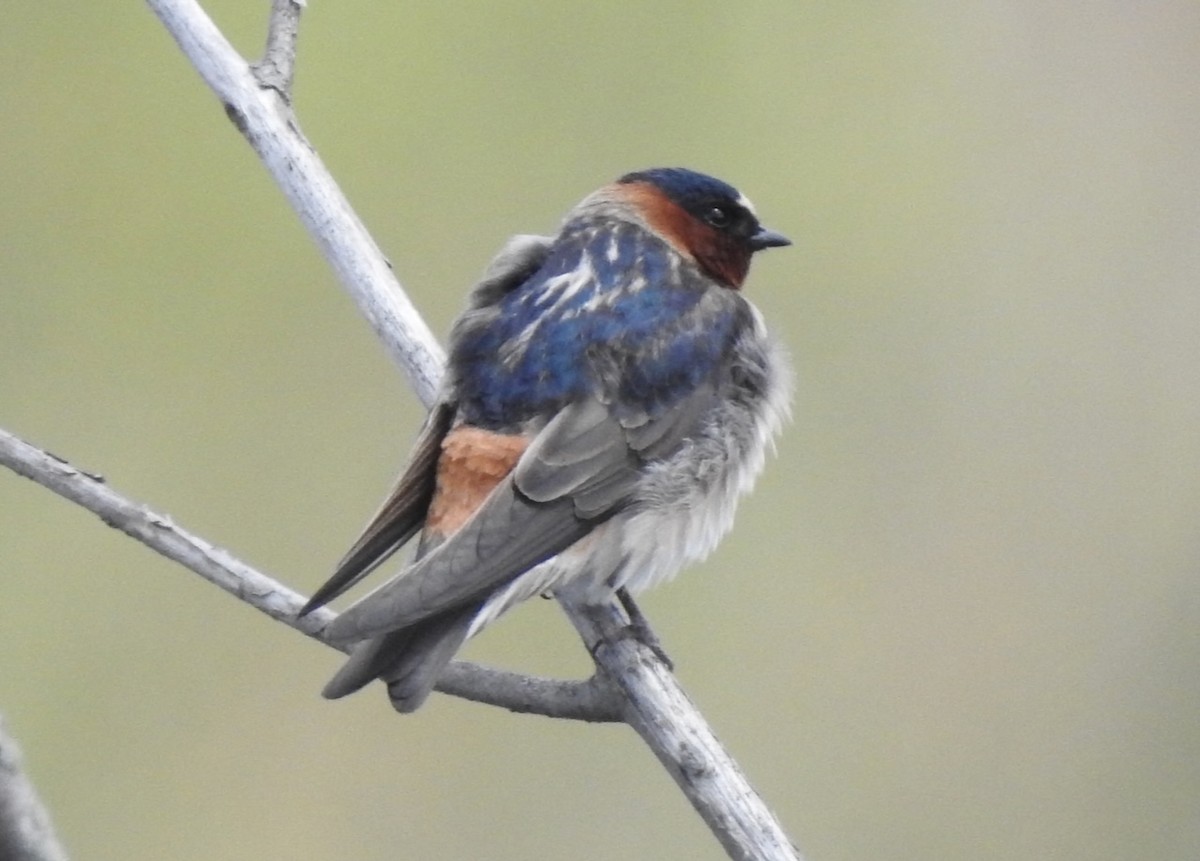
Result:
<point x="610" y="394"/>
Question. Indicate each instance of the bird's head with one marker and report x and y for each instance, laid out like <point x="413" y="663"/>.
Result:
<point x="703" y="218"/>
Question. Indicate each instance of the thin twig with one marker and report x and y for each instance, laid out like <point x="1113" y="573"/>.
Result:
<point x="26" y="833"/>
<point x="277" y="68"/>
<point x="592" y="700"/>
<point x="265" y="120"/>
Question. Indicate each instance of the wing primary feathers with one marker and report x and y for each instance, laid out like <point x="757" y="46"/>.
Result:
<point x="400" y="516"/>
<point x="403" y="512"/>
<point x="580" y="470"/>
<point x="527" y="518"/>
<point x="507" y="536"/>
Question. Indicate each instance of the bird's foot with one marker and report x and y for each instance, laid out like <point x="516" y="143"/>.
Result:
<point x="639" y="628"/>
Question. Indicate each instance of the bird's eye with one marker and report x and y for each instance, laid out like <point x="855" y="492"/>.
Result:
<point x="718" y="216"/>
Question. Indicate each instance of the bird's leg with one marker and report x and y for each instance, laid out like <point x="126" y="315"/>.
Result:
<point x="639" y="628"/>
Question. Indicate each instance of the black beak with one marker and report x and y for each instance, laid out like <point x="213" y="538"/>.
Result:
<point x="768" y="239"/>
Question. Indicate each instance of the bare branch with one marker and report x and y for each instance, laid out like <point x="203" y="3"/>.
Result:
<point x="278" y="65"/>
<point x="26" y="833"/>
<point x="671" y="725"/>
<point x="158" y="533"/>
<point x="656" y="706"/>
<point x="592" y="700"/>
<point x="652" y="702"/>
<point x="264" y="118"/>
<point x="596" y="700"/>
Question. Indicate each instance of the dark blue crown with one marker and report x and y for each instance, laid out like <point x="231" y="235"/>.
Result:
<point x="686" y="187"/>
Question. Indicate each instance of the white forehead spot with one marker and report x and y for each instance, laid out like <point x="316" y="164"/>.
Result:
<point x="745" y="203"/>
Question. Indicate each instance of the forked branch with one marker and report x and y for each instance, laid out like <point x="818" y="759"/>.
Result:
<point x="633" y="681"/>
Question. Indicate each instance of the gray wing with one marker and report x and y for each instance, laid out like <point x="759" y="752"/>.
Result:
<point x="579" y="471"/>
<point x="403" y="511"/>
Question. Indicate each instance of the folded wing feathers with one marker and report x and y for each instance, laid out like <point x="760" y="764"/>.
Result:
<point x="581" y="469"/>
<point x="508" y="535"/>
<point x="399" y="518"/>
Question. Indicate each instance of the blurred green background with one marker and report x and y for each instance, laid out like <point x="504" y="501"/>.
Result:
<point x="960" y="618"/>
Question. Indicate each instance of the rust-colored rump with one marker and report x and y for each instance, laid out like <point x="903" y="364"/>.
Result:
<point x="472" y="462"/>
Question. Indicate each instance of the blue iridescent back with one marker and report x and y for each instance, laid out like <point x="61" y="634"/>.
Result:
<point x="612" y="310"/>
